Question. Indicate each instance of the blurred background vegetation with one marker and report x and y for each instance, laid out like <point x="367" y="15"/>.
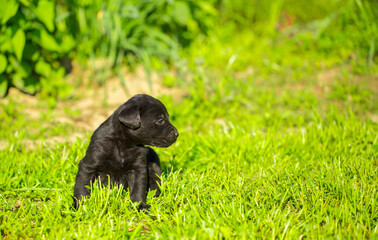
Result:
<point x="275" y="102"/>
<point x="39" y="39"/>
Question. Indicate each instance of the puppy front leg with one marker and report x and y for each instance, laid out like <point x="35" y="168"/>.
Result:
<point x="137" y="183"/>
<point x="83" y="179"/>
<point x="154" y="172"/>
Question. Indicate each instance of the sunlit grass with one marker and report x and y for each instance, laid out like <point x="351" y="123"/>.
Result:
<point x="250" y="162"/>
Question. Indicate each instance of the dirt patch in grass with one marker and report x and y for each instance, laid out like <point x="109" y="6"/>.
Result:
<point x="327" y="78"/>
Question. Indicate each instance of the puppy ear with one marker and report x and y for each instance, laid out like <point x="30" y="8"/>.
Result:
<point x="130" y="117"/>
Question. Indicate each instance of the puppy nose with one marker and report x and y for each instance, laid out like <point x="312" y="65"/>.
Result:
<point x="174" y="132"/>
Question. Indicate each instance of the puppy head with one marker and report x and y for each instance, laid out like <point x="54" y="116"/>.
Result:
<point x="147" y="121"/>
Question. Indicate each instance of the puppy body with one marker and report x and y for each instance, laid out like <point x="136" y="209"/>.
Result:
<point x="117" y="152"/>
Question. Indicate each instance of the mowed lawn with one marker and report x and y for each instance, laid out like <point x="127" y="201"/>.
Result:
<point x="256" y="158"/>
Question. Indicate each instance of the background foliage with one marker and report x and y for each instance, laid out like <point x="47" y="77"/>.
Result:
<point x="40" y="38"/>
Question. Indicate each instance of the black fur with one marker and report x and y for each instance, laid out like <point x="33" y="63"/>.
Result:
<point x="117" y="150"/>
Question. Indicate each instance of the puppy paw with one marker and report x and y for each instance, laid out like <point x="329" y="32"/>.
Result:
<point x="75" y="204"/>
<point x="144" y="206"/>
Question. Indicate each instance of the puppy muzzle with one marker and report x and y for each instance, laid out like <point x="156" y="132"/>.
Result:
<point x="169" y="140"/>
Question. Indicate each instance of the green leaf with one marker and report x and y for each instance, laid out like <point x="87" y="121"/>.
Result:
<point x="3" y="86"/>
<point x="45" y="12"/>
<point x="8" y="10"/>
<point x="48" y="42"/>
<point x="23" y="69"/>
<point x="31" y="52"/>
<point x="58" y="74"/>
<point x="18" y="43"/>
<point x="68" y="43"/>
<point x="26" y="3"/>
<point x="43" y="68"/>
<point x="208" y="8"/>
<point x="26" y="84"/>
<point x="82" y="20"/>
<point x="181" y="12"/>
<point x="3" y="63"/>
<point x="6" y="40"/>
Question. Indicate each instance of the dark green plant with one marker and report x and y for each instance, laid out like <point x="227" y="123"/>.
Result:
<point x="36" y="36"/>
<point x="33" y="40"/>
<point x="143" y="30"/>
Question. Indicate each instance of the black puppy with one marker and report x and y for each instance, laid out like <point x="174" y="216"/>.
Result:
<point x="117" y="150"/>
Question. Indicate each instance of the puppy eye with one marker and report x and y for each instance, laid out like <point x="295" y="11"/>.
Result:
<point x="159" y="122"/>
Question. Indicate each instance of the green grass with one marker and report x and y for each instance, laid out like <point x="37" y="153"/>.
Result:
<point x="269" y="148"/>
<point x="255" y="159"/>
